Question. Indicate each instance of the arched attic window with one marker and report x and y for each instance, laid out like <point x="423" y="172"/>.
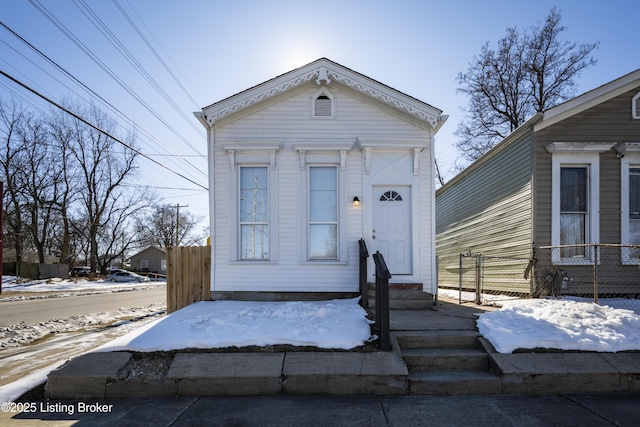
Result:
<point x="323" y="105"/>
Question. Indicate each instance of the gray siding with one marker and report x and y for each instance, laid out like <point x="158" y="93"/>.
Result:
<point x="607" y="122"/>
<point x="487" y="211"/>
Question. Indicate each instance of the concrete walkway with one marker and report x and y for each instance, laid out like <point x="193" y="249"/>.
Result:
<point x="113" y="375"/>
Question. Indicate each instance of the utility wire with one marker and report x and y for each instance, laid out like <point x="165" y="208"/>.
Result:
<point x="105" y="68"/>
<point x="155" y="53"/>
<point x="118" y="140"/>
<point x="91" y="91"/>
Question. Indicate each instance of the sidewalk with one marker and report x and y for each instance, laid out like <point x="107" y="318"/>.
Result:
<point x="335" y="411"/>
<point x="100" y="375"/>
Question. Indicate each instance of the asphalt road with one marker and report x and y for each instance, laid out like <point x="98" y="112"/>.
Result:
<point x="42" y="310"/>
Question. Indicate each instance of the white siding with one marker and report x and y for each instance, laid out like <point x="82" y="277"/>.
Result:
<point x="288" y="120"/>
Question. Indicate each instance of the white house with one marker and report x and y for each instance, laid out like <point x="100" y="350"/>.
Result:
<point x="303" y="166"/>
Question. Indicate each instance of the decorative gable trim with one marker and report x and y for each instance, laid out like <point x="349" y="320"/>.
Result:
<point x="322" y="75"/>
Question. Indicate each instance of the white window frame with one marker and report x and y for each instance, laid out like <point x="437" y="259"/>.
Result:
<point x="251" y="160"/>
<point x="311" y="159"/>
<point x="324" y="91"/>
<point x="635" y="107"/>
<point x="591" y="160"/>
<point x="335" y="222"/>
<point x="629" y="154"/>
<point x="241" y="223"/>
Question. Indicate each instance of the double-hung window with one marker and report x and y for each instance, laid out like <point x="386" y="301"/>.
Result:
<point x="254" y="213"/>
<point x="629" y="154"/>
<point x="323" y="213"/>
<point x="574" y="210"/>
<point x="575" y="199"/>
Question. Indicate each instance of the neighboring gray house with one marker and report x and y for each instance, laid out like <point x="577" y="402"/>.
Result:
<point x="152" y="259"/>
<point x="568" y="176"/>
<point x="303" y="166"/>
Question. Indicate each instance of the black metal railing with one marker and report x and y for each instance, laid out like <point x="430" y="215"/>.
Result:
<point x="382" y="301"/>
<point x="362" y="276"/>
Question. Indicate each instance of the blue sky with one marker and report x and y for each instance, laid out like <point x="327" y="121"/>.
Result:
<point x="218" y="48"/>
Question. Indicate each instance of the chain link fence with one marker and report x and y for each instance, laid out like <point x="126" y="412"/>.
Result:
<point x="607" y="274"/>
<point x="493" y="277"/>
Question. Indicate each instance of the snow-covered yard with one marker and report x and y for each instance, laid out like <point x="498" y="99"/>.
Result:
<point x="338" y="324"/>
<point x="564" y="324"/>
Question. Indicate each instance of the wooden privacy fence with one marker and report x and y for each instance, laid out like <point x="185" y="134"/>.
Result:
<point x="188" y="276"/>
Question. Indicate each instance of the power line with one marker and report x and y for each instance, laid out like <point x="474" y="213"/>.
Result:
<point x="106" y="69"/>
<point x="118" y="140"/>
<point x="88" y="89"/>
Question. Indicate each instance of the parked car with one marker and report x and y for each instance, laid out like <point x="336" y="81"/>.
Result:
<point x="79" y="272"/>
<point x="126" y="276"/>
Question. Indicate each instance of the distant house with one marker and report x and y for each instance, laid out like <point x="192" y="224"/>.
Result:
<point x="568" y="176"/>
<point x="303" y="166"/>
<point x="151" y="259"/>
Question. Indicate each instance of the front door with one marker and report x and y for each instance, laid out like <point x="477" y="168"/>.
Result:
<point x="391" y="233"/>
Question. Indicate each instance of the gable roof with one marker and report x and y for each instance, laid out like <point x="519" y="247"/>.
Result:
<point x="322" y="70"/>
<point x="150" y="248"/>
<point x="589" y="99"/>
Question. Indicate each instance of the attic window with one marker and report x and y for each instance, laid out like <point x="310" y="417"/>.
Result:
<point x="635" y="106"/>
<point x="322" y="106"/>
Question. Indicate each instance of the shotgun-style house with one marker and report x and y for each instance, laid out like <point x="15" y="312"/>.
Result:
<point x="304" y="165"/>
<point x="565" y="180"/>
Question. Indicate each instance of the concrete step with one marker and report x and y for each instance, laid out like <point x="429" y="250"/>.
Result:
<point x="437" y="339"/>
<point x="404" y="300"/>
<point x="438" y="359"/>
<point x="454" y="382"/>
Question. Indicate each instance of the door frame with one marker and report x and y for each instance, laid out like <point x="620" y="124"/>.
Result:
<point x="370" y="193"/>
<point x="405" y="192"/>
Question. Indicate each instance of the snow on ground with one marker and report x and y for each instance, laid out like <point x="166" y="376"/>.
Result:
<point x="563" y="324"/>
<point x="338" y="324"/>
<point x="560" y="324"/>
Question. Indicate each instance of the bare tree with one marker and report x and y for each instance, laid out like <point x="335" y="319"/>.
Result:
<point x="526" y="74"/>
<point x="159" y="227"/>
<point x="13" y="165"/>
<point x="103" y="167"/>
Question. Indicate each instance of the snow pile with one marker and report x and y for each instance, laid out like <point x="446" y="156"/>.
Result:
<point x="560" y="324"/>
<point x="340" y="324"/>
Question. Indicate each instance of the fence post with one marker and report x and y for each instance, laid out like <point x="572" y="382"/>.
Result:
<point x="478" y="278"/>
<point x="460" y="281"/>
<point x="596" y="249"/>
<point x="382" y="301"/>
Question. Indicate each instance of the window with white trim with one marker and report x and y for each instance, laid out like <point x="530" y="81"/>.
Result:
<point x="323" y="213"/>
<point x="630" y="201"/>
<point x="323" y="104"/>
<point x="575" y="201"/>
<point x="635" y="106"/>
<point x="574" y="210"/>
<point x="254" y="213"/>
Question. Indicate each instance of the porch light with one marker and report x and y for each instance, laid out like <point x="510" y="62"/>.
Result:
<point x="356" y="201"/>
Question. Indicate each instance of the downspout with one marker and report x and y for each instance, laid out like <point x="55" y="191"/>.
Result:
<point x="434" y="273"/>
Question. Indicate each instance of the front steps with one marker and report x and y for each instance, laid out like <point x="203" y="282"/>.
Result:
<point x="402" y="296"/>
<point x="446" y="362"/>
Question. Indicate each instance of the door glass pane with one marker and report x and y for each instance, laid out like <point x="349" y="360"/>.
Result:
<point x="323" y="241"/>
<point x="323" y="194"/>
<point x="634" y="193"/>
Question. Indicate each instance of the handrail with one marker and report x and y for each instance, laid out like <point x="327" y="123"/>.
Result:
<point x="362" y="275"/>
<point x="382" y="301"/>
